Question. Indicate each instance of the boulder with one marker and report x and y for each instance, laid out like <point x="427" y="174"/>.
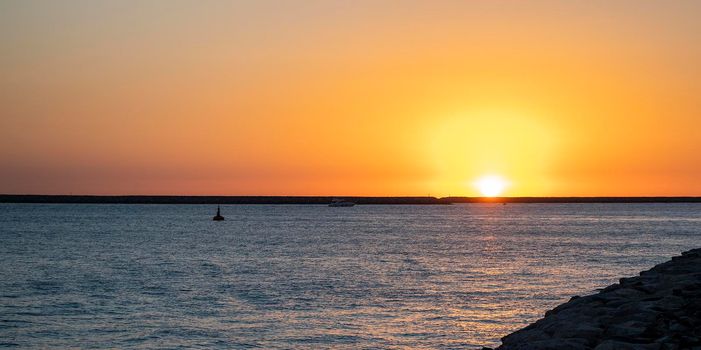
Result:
<point x="659" y="309"/>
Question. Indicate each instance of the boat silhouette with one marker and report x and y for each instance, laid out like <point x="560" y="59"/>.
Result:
<point x="341" y="203"/>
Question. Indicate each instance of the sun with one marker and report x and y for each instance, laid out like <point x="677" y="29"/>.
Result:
<point x="491" y="185"/>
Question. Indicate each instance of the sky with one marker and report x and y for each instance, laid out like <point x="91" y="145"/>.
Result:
<point x="373" y="98"/>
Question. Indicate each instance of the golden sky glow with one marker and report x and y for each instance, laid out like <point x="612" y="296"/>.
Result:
<point x="560" y="98"/>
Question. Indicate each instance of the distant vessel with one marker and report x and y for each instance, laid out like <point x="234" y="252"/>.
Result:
<point x="341" y="203"/>
<point x="218" y="217"/>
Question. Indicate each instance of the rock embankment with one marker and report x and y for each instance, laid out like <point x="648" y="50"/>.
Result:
<point x="660" y="309"/>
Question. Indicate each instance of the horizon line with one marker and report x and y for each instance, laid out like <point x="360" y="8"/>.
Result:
<point x="277" y="199"/>
<point x="335" y="195"/>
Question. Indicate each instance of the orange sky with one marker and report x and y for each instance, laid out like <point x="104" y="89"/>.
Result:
<point x="561" y="98"/>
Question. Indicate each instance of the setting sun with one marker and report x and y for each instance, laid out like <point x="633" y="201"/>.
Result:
<point x="491" y="186"/>
<point x="366" y="174"/>
<point x="346" y="98"/>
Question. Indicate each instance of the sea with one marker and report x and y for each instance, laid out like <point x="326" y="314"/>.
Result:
<point x="82" y="276"/>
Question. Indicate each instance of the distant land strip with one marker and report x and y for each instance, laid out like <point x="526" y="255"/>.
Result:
<point x="13" y="198"/>
<point x="8" y="198"/>
<point x="572" y="199"/>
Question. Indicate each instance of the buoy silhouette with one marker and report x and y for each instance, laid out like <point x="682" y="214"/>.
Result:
<point x="218" y="217"/>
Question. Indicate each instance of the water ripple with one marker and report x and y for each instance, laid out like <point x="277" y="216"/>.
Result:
<point x="311" y="277"/>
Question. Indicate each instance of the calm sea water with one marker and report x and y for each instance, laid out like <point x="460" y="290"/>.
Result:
<point x="279" y="277"/>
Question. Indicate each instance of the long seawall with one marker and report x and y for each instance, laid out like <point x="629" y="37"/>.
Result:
<point x="169" y="199"/>
<point x="659" y="309"/>
<point x="140" y="199"/>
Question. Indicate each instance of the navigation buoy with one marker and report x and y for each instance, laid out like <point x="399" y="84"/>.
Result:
<point x="218" y="217"/>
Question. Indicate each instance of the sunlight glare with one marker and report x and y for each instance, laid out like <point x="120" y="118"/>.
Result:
<point x="491" y="186"/>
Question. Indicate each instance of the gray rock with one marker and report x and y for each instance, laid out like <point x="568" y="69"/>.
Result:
<point x="525" y="336"/>
<point x="554" y="344"/>
<point x="629" y="329"/>
<point x="660" y="309"/>
<point x="619" y="345"/>
<point x="586" y="331"/>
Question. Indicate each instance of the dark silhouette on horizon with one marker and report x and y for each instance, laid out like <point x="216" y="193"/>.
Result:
<point x="324" y="200"/>
<point x="336" y="202"/>
<point x="218" y="217"/>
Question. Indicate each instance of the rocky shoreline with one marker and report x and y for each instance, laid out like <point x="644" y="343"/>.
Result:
<point x="660" y="309"/>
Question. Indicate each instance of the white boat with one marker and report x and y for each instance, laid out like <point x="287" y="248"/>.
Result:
<point x="341" y="203"/>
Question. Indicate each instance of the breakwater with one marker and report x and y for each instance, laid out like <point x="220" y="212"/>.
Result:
<point x="139" y="199"/>
<point x="171" y="199"/>
<point x="659" y="309"/>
